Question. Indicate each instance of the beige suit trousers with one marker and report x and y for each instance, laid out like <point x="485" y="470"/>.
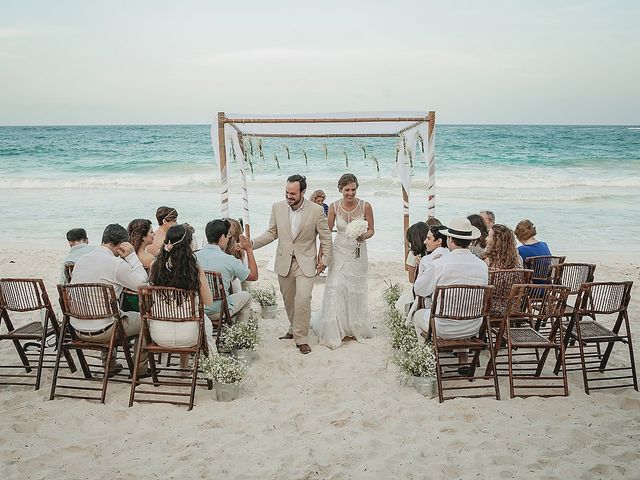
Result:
<point x="296" y="290"/>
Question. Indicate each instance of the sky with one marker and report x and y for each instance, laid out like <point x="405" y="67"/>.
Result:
<point x="166" y="62"/>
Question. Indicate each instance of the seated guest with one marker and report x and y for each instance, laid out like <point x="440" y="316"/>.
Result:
<point x="416" y="236"/>
<point x="531" y="247"/>
<point x="477" y="246"/>
<point x="319" y="197"/>
<point x="141" y="236"/>
<point x="79" y="243"/>
<point x="167" y="217"/>
<point x="489" y="218"/>
<point x="213" y="257"/>
<point x="501" y="252"/>
<point x="233" y="249"/>
<point x="115" y="263"/>
<point x="435" y="243"/>
<point x="176" y="266"/>
<point x="459" y="267"/>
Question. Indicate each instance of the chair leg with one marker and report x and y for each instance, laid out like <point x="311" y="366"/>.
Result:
<point x="632" y="359"/>
<point x="23" y="356"/>
<point x="105" y="379"/>
<point x="56" y="365"/>
<point x="41" y="355"/>
<point x="134" y="375"/>
<point x="438" y="373"/>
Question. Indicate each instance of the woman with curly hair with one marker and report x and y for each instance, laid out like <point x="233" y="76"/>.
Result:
<point x="141" y="236"/>
<point x="176" y="266"/>
<point x="477" y="246"/>
<point x="501" y="252"/>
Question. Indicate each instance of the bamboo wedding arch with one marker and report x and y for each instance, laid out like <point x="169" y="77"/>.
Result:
<point x="409" y="128"/>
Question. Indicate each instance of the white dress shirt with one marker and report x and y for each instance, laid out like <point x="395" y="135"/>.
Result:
<point x="459" y="267"/>
<point x="295" y="217"/>
<point x="102" y="266"/>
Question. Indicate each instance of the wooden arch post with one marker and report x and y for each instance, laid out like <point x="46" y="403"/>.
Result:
<point x="224" y="174"/>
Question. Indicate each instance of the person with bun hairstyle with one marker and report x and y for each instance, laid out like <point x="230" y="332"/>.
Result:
<point x="531" y="247"/>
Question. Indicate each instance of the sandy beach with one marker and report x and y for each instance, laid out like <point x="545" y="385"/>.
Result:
<point x="332" y="414"/>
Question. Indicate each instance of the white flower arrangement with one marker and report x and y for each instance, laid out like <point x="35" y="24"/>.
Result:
<point x="356" y="229"/>
<point x="223" y="368"/>
<point x="419" y="361"/>
<point x="392" y="293"/>
<point x="242" y="335"/>
<point x="264" y="295"/>
<point x="401" y="337"/>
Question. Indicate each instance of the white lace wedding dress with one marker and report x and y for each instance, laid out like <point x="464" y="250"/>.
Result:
<point x="344" y="305"/>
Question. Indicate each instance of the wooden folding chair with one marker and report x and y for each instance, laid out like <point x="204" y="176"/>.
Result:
<point x="541" y="266"/>
<point x="502" y="280"/>
<point x="598" y="302"/>
<point x="530" y="307"/>
<point x="574" y="275"/>
<point x="28" y="295"/>
<point x="168" y="305"/>
<point x="219" y="295"/>
<point x="88" y="301"/>
<point x="462" y="303"/>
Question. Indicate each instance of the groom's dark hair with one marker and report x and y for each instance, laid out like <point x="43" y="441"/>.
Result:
<point x="302" y="181"/>
<point x="216" y="228"/>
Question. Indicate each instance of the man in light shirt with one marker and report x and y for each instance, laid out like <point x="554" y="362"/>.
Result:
<point x="459" y="267"/>
<point x="296" y="223"/>
<point x="115" y="263"/>
<point x="79" y="243"/>
<point x="213" y="257"/>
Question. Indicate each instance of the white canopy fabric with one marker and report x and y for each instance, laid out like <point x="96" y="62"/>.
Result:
<point x="409" y="127"/>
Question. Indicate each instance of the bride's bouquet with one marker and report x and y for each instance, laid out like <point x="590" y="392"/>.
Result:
<point x="355" y="229"/>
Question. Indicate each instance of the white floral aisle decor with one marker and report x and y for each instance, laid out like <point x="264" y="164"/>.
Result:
<point x="419" y="364"/>
<point x="227" y="372"/>
<point x="266" y="297"/>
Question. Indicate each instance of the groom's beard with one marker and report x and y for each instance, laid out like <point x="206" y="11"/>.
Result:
<point x="294" y="206"/>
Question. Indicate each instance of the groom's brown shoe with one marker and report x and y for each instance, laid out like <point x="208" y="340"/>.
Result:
<point x="286" y="336"/>
<point x="304" y="348"/>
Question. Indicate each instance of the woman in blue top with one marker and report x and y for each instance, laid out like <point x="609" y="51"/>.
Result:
<point x="526" y="234"/>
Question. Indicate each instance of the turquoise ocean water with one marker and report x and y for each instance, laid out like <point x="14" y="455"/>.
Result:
<point x="580" y="185"/>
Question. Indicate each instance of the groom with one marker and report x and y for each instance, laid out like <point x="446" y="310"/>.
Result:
<point x="296" y="222"/>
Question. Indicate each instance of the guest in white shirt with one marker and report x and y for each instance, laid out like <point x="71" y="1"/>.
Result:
<point x="459" y="267"/>
<point x="79" y="243"/>
<point x="115" y="263"/>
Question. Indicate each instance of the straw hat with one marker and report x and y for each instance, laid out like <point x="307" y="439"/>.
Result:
<point x="461" y="228"/>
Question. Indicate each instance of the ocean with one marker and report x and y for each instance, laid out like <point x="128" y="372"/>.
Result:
<point x="580" y="185"/>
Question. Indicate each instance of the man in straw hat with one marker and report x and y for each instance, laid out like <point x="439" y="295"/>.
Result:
<point x="461" y="267"/>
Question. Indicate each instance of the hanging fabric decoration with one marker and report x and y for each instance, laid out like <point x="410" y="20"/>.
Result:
<point x="286" y="149"/>
<point x="306" y="160"/>
<point x="346" y="158"/>
<point x="275" y="157"/>
<point x="375" y="160"/>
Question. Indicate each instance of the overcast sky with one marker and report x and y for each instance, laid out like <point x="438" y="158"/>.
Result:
<point x="155" y="62"/>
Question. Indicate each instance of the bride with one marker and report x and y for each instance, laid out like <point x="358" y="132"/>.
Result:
<point x="344" y="305"/>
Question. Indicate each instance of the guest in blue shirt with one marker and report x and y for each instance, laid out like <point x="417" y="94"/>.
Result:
<point x="531" y="247"/>
<point x="213" y="257"/>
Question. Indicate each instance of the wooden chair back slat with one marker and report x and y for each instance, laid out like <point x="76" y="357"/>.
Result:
<point x="572" y="275"/>
<point x="502" y="281"/>
<point x="22" y="294"/>
<point x="604" y="297"/>
<point x="541" y="266"/>
<point x="89" y="301"/>
<point x="461" y="302"/>
<point x="170" y="304"/>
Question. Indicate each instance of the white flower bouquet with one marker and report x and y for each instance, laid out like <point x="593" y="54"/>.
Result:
<point x="223" y="368"/>
<point x="264" y="295"/>
<point x="356" y="229"/>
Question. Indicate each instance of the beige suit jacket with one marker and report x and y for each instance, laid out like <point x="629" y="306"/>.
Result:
<point x="303" y="247"/>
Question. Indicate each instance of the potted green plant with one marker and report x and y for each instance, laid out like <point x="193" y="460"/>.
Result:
<point x="266" y="297"/>
<point x="227" y="372"/>
<point x="242" y="338"/>
<point x="419" y="363"/>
